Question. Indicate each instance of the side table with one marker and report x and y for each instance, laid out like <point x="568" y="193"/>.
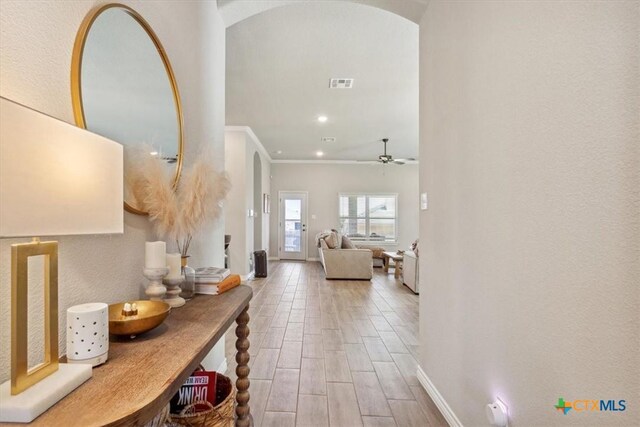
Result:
<point x="397" y="260"/>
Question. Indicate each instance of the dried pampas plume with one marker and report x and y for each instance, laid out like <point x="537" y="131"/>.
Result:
<point x="200" y="194"/>
<point x="179" y="214"/>
<point x="160" y="198"/>
<point x="134" y="183"/>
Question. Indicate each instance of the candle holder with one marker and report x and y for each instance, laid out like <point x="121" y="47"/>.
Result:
<point x="173" y="297"/>
<point x="155" y="290"/>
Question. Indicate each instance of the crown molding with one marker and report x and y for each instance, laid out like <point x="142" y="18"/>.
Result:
<point x="263" y="151"/>
<point x="338" y="162"/>
<point x="253" y="137"/>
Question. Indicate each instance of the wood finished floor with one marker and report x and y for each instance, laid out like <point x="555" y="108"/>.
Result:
<point x="333" y="352"/>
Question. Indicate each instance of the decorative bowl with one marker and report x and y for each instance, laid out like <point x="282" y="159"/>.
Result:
<point x="150" y="315"/>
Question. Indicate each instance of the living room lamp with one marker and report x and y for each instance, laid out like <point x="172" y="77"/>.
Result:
<point x="55" y="179"/>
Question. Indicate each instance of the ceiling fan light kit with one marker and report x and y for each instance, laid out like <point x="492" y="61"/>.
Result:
<point x="388" y="158"/>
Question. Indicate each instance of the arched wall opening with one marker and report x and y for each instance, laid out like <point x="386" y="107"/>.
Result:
<point x="234" y="11"/>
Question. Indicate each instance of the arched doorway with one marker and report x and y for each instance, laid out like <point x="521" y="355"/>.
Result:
<point x="234" y="11"/>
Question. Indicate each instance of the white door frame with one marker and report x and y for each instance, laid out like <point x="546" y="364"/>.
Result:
<point x="304" y="218"/>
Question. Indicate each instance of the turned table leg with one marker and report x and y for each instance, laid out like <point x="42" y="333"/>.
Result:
<point x="242" y="370"/>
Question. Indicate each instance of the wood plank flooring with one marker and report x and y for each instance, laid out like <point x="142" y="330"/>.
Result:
<point x="333" y="353"/>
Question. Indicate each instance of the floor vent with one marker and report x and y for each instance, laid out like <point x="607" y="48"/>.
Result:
<point x="341" y="83"/>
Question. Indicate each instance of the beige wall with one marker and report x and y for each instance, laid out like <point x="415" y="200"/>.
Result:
<point x="36" y="40"/>
<point x="530" y="248"/>
<point x="241" y="145"/>
<point x="324" y="181"/>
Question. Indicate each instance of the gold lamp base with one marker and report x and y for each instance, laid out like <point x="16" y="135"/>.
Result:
<point x="21" y="376"/>
<point x="30" y="392"/>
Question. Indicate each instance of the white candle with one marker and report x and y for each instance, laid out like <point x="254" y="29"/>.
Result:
<point x="175" y="267"/>
<point x="155" y="255"/>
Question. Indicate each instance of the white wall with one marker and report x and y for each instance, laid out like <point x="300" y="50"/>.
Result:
<point x="36" y="41"/>
<point x="323" y="183"/>
<point x="241" y="145"/>
<point x="530" y="247"/>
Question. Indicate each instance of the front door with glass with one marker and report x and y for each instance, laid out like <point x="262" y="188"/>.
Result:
<point x="293" y="225"/>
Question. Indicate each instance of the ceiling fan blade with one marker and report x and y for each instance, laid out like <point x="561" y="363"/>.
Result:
<point x="398" y="162"/>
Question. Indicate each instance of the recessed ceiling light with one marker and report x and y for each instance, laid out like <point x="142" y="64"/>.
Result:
<point x="322" y="119"/>
<point x="154" y="153"/>
<point x="279" y="152"/>
<point x="319" y="153"/>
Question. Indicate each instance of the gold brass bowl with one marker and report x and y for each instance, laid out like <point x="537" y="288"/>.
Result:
<point x="150" y="315"/>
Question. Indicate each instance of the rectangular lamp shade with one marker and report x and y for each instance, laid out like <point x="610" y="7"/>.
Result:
<point x="55" y="178"/>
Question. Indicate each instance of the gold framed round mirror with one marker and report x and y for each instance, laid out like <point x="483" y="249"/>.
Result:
<point x="123" y="87"/>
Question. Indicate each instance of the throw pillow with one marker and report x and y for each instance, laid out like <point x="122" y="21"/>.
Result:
<point x="332" y="241"/>
<point x="347" y="243"/>
<point x="338" y="239"/>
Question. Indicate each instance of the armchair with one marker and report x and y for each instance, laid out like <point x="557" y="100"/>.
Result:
<point x="346" y="263"/>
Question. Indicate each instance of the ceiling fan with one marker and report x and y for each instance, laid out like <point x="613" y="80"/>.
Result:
<point x="388" y="158"/>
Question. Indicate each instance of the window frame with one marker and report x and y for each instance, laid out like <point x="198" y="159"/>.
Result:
<point x="367" y="218"/>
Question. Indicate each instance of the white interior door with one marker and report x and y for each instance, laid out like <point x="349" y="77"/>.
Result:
<point x="293" y="225"/>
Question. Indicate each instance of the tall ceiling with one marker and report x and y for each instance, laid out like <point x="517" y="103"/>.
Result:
<point x="279" y="63"/>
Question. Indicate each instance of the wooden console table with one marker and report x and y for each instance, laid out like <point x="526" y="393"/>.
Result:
<point x="143" y="374"/>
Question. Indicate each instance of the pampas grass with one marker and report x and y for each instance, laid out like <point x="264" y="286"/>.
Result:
<point x="178" y="214"/>
<point x="200" y="197"/>
<point x="134" y="176"/>
<point x="160" y="199"/>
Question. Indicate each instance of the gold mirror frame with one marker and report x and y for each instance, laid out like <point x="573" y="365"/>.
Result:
<point x="76" y="84"/>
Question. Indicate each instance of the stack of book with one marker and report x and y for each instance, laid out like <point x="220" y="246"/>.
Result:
<point x="211" y="274"/>
<point x="214" y="280"/>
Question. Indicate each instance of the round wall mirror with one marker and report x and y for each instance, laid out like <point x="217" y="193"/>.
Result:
<point x="123" y="88"/>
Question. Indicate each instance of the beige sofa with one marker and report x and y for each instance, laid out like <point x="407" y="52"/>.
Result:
<point x="346" y="263"/>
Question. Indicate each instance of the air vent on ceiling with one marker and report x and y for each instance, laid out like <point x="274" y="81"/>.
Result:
<point x="328" y="139"/>
<point x="341" y="83"/>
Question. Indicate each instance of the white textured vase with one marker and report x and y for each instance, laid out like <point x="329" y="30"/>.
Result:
<point x="88" y="333"/>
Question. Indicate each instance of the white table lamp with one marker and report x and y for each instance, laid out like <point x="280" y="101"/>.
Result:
<point x="55" y="179"/>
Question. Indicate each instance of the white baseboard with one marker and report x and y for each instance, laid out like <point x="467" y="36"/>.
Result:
<point x="223" y="366"/>
<point x="248" y="276"/>
<point x="275" y="258"/>
<point x="437" y="398"/>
